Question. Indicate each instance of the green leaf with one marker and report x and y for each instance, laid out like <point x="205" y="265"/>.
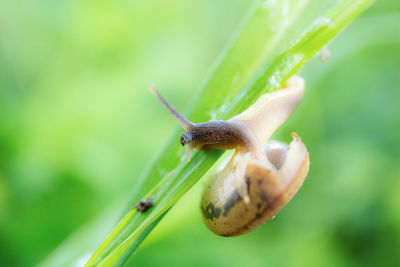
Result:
<point x="271" y="46"/>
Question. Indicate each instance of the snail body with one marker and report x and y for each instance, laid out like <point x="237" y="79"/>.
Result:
<point x="262" y="176"/>
<point x="219" y="134"/>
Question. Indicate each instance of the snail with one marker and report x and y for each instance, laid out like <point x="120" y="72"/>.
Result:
<point x="261" y="177"/>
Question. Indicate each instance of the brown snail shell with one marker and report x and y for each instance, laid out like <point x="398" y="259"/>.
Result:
<point x="224" y="206"/>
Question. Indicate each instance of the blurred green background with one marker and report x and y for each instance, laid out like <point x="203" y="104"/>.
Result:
<point x="78" y="125"/>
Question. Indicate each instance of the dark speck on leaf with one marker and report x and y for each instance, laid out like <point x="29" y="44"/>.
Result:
<point x="144" y="205"/>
